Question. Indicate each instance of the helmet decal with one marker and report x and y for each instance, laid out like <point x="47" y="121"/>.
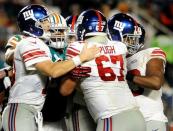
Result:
<point x="28" y="14"/>
<point x="137" y="30"/>
<point x="119" y="25"/>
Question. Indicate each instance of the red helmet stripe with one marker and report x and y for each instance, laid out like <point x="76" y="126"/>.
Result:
<point x="100" y="21"/>
<point x="73" y="22"/>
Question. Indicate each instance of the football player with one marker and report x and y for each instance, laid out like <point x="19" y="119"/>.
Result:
<point x="79" y="118"/>
<point x="54" y="109"/>
<point x="145" y="69"/>
<point x="53" y="115"/>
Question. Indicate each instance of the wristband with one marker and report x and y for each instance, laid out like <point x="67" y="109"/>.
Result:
<point x="6" y="72"/>
<point x="76" y="60"/>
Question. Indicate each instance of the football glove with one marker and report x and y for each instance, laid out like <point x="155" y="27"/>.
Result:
<point x="80" y="72"/>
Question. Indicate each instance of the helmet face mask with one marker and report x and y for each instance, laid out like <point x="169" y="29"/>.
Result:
<point x="132" y="43"/>
<point x="125" y="29"/>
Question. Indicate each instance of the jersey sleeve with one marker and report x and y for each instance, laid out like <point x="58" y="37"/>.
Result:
<point x="158" y="53"/>
<point x="73" y="49"/>
<point x="31" y="53"/>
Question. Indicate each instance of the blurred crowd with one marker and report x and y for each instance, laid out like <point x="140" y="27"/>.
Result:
<point x="155" y="15"/>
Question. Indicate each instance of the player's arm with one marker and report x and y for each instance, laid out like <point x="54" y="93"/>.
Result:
<point x="9" y="55"/>
<point x="67" y="86"/>
<point x="154" y="78"/>
<point x="2" y="86"/>
<point x="60" y="68"/>
<point x="10" y="47"/>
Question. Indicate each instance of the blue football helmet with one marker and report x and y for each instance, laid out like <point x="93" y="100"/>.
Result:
<point x="90" y="23"/>
<point x="29" y="19"/>
<point x="71" y="21"/>
<point x="71" y="32"/>
<point x="122" y="27"/>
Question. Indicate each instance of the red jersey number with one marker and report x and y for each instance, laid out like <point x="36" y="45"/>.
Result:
<point x="107" y="73"/>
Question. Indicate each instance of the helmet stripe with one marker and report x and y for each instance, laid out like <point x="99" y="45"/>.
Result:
<point x="73" y="22"/>
<point x="54" y="21"/>
<point x="57" y="18"/>
<point x="100" y="21"/>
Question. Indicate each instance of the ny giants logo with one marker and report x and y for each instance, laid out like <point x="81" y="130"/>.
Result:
<point x="28" y="14"/>
<point x="119" y="25"/>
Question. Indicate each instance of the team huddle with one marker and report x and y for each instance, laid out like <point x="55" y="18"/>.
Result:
<point x="82" y="73"/>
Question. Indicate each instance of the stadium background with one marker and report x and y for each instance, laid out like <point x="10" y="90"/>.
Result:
<point x="155" y="15"/>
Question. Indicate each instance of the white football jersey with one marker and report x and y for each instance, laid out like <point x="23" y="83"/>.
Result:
<point x="106" y="91"/>
<point x="29" y="83"/>
<point x="149" y="100"/>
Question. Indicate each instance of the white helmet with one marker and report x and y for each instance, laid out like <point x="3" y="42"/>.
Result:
<point x="58" y="31"/>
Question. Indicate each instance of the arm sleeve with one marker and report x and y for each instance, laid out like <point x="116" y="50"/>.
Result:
<point x="158" y="53"/>
<point x="31" y="54"/>
<point x="73" y="49"/>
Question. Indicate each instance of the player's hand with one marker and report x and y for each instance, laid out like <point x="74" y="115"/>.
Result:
<point x="80" y="72"/>
<point x="89" y="53"/>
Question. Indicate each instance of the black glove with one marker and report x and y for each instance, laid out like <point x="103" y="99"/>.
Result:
<point x="80" y="72"/>
<point x="130" y="76"/>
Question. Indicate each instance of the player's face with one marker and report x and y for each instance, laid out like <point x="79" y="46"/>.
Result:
<point x="58" y="34"/>
<point x="130" y="40"/>
<point x="45" y="24"/>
